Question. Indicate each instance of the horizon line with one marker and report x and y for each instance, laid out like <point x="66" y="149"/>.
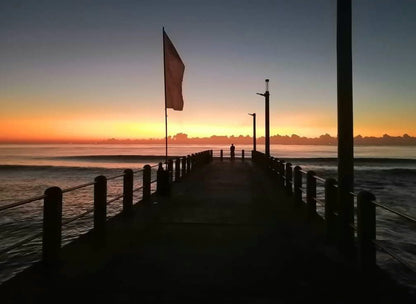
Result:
<point x="182" y="137"/>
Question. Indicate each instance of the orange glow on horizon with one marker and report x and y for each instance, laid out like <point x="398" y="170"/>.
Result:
<point x="89" y="123"/>
<point x="95" y="130"/>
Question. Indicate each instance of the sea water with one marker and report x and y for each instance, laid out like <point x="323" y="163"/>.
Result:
<point x="389" y="172"/>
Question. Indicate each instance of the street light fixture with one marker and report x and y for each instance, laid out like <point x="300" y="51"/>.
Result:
<point x="267" y="118"/>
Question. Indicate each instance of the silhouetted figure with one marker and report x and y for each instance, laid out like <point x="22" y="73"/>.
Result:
<point x="232" y="151"/>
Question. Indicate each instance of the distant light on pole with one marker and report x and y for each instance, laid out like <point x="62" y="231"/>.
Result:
<point x="267" y="118"/>
<point x="254" y="130"/>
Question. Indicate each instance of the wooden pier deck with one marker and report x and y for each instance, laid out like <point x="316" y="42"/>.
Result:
<point x="226" y="234"/>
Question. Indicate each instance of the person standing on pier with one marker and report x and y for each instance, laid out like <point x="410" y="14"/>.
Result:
<point x="232" y="151"/>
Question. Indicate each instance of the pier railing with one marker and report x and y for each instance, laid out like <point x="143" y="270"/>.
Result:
<point x="51" y="233"/>
<point x="225" y="154"/>
<point x="304" y="187"/>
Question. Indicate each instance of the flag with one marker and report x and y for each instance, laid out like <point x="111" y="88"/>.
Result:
<point x="174" y="69"/>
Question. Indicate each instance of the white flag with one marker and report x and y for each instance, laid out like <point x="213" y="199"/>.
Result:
<point x="174" y="69"/>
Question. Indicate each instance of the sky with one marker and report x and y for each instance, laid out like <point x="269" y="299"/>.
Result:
<point x="94" y="69"/>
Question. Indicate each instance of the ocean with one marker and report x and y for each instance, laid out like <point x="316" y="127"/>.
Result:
<point x="389" y="172"/>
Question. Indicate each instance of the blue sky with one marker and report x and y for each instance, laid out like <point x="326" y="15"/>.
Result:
<point x="94" y="68"/>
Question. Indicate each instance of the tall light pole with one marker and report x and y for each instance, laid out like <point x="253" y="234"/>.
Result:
<point x="254" y="130"/>
<point x="267" y="118"/>
<point x="345" y="124"/>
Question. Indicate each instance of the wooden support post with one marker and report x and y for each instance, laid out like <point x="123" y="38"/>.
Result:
<point x="170" y="170"/>
<point x="297" y="185"/>
<point x="366" y="224"/>
<point x="193" y="161"/>
<point x="127" y="191"/>
<point x="221" y="155"/>
<point x="177" y="169"/>
<point x="273" y="167"/>
<point x="277" y="170"/>
<point x="270" y="165"/>
<point x="330" y="209"/>
<point x="52" y="226"/>
<point x="160" y="180"/>
<point x="242" y="155"/>
<point x="188" y="164"/>
<point x="310" y="195"/>
<point x="276" y="167"/>
<point x="289" y="181"/>
<point x="183" y="166"/>
<point x="100" y="208"/>
<point x="282" y="173"/>
<point x="147" y="176"/>
<point x="163" y="186"/>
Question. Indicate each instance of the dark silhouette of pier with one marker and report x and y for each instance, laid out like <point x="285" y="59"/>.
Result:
<point x="226" y="233"/>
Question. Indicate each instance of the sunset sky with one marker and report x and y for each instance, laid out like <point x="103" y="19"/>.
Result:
<point x="94" y="69"/>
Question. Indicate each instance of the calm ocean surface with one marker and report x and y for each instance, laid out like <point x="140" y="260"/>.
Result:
<point x="27" y="170"/>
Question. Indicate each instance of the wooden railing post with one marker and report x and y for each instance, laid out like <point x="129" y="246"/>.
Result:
<point x="188" y="164"/>
<point x="221" y="155"/>
<point x="183" y="166"/>
<point x="310" y="194"/>
<point x="52" y="226"/>
<point x="282" y="173"/>
<point x="162" y="187"/>
<point x="269" y="165"/>
<point x="330" y="209"/>
<point x="297" y="181"/>
<point x="147" y="176"/>
<point x="170" y="170"/>
<point x="242" y="155"/>
<point x="100" y="208"/>
<point x="366" y="224"/>
<point x="193" y="161"/>
<point x="177" y="169"/>
<point x="127" y="191"/>
<point x="289" y="181"/>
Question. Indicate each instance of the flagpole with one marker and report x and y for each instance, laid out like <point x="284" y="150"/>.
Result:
<point x="166" y="109"/>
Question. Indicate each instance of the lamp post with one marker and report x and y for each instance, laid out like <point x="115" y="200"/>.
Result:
<point x="345" y="124"/>
<point x="254" y="130"/>
<point x="267" y="119"/>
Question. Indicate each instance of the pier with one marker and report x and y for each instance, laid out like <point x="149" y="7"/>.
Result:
<point x="215" y="230"/>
